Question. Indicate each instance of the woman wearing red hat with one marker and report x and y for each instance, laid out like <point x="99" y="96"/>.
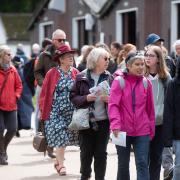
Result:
<point x="56" y="108"/>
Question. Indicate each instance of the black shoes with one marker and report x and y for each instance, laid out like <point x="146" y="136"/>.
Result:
<point x="17" y="134"/>
<point x="3" y="160"/>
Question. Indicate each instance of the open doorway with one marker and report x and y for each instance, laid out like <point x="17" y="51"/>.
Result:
<point x="82" y="34"/>
<point x="129" y="27"/>
<point x="126" y="26"/>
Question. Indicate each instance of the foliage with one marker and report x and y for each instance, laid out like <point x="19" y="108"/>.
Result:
<point x="16" y="25"/>
<point x="19" y="6"/>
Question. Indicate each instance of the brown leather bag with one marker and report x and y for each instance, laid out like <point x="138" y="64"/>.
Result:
<point x="39" y="143"/>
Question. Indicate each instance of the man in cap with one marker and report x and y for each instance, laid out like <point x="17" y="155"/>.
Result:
<point x="46" y="62"/>
<point x="154" y="39"/>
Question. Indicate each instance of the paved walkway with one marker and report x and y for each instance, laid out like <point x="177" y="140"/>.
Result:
<point x="27" y="164"/>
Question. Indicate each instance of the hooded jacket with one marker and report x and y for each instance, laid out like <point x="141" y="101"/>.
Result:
<point x="12" y="89"/>
<point x="131" y="109"/>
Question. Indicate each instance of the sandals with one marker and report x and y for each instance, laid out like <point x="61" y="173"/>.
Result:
<point x="60" y="170"/>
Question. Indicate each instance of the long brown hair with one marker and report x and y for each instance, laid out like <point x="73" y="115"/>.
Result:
<point x="162" y="69"/>
<point x="124" y="52"/>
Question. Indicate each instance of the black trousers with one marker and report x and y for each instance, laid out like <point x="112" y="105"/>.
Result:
<point x="155" y="154"/>
<point x="8" y="121"/>
<point x="93" y="144"/>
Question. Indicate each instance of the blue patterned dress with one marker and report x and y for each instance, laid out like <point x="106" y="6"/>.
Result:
<point x="56" y="128"/>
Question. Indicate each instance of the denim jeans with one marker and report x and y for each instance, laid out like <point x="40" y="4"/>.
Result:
<point x="141" y="150"/>
<point x="176" y="148"/>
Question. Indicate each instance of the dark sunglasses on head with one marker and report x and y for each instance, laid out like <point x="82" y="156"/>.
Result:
<point x="61" y="40"/>
<point x="134" y="55"/>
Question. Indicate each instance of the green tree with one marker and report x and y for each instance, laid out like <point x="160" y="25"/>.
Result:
<point x="19" y="6"/>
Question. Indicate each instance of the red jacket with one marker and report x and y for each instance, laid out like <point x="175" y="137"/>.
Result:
<point x="46" y="96"/>
<point x="12" y="89"/>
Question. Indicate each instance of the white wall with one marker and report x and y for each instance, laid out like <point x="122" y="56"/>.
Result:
<point x="26" y="47"/>
<point x="2" y="33"/>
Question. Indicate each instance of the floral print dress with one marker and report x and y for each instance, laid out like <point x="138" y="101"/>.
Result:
<point x="56" y="128"/>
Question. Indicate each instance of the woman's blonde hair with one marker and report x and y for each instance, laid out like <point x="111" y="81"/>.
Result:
<point x="94" y="56"/>
<point x="162" y="69"/>
<point x="3" y="51"/>
<point x="125" y="51"/>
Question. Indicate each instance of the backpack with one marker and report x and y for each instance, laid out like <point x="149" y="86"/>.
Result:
<point x="122" y="82"/>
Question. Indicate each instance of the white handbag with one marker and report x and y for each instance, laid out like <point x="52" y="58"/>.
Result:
<point x="80" y="120"/>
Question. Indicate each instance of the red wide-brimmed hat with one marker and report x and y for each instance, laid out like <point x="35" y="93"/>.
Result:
<point x="63" y="49"/>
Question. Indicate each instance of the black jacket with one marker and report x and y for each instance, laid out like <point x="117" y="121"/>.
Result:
<point x="171" y="65"/>
<point x="112" y="67"/>
<point x="172" y="112"/>
<point x="83" y="83"/>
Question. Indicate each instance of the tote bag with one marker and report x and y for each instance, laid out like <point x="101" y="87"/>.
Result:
<point x="80" y="120"/>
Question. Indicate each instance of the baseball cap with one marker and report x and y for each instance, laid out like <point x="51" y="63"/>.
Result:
<point x="153" y="38"/>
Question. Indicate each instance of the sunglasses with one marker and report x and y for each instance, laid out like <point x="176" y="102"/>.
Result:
<point x="106" y="58"/>
<point x="61" y="40"/>
<point x="8" y="54"/>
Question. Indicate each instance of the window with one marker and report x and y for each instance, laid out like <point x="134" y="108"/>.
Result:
<point x="45" y="30"/>
<point x="48" y="31"/>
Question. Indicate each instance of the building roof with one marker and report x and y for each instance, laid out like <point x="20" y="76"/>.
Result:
<point x="15" y="25"/>
<point x="38" y="11"/>
<point x="99" y="8"/>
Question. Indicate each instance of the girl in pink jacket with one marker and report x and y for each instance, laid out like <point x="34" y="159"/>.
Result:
<point x="131" y="109"/>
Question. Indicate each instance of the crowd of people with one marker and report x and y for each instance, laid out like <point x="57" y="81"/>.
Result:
<point x="141" y="98"/>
